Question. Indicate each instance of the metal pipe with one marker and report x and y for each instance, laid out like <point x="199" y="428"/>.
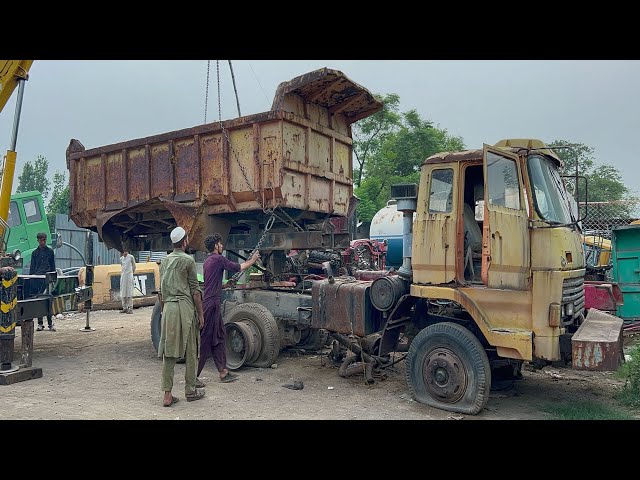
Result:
<point x="407" y="238"/>
<point x="353" y="346"/>
<point x="79" y="252"/>
<point x="361" y="367"/>
<point x="342" y="371"/>
<point x="233" y="80"/>
<point x="88" y="277"/>
<point x="16" y="118"/>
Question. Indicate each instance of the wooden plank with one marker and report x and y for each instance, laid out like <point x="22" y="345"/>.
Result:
<point x="26" y="354"/>
<point x="28" y="373"/>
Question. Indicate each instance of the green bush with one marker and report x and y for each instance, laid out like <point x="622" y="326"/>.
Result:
<point x="581" y="410"/>
<point x="630" y="370"/>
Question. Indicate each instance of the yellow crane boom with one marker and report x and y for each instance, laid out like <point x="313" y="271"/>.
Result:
<point x="13" y="73"/>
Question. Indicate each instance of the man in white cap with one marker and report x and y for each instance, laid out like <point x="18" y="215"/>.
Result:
<point x="182" y="318"/>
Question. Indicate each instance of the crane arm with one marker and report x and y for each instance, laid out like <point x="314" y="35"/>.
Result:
<point x="11" y="72"/>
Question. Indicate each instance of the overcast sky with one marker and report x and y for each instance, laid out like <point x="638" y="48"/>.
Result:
<point x="101" y="102"/>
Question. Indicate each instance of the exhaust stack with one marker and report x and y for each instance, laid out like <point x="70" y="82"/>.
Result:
<point x="406" y="196"/>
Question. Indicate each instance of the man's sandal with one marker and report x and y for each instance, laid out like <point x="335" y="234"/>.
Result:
<point x="229" y="377"/>
<point x="195" y="396"/>
<point x="173" y="400"/>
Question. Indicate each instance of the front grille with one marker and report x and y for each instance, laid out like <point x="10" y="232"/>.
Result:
<point x="572" y="294"/>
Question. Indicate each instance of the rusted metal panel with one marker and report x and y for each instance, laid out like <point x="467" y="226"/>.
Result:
<point x="344" y="307"/>
<point x="214" y="170"/>
<point x="187" y="161"/>
<point x="288" y="241"/>
<point x="298" y="155"/>
<point x="509" y="248"/>
<point x="604" y="296"/>
<point x="161" y="171"/>
<point x="116" y="170"/>
<point x="94" y="183"/>
<point x="138" y="180"/>
<point x="342" y="157"/>
<point x="330" y="89"/>
<point x="597" y="344"/>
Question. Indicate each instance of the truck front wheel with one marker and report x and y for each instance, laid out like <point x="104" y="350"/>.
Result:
<point x="448" y="368"/>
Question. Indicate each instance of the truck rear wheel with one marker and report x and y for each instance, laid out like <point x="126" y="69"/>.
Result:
<point x="447" y="368"/>
<point x="313" y="339"/>
<point x="262" y="320"/>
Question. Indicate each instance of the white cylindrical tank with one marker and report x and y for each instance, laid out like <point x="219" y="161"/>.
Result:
<point x="387" y="224"/>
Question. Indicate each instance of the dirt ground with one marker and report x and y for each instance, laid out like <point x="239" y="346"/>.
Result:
<point x="114" y="373"/>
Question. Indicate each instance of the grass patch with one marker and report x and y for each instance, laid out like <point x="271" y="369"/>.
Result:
<point x="585" y="411"/>
<point x="630" y="372"/>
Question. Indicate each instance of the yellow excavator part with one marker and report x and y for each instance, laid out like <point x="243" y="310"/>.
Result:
<point x="10" y="72"/>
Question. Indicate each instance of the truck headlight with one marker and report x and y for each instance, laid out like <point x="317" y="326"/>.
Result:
<point x="569" y="309"/>
<point x="17" y="255"/>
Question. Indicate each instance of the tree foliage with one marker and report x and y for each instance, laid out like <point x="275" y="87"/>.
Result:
<point x="604" y="181"/>
<point x="34" y="177"/>
<point x="390" y="149"/>
<point x="59" y="202"/>
<point x="370" y="133"/>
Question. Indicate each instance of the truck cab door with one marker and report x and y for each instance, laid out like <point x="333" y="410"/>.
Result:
<point x="506" y="247"/>
<point x="434" y="226"/>
<point x="17" y="229"/>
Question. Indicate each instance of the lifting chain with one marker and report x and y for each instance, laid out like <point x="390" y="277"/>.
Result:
<point x="267" y="227"/>
<point x="291" y="222"/>
<point x="259" y="200"/>
<point x="206" y="93"/>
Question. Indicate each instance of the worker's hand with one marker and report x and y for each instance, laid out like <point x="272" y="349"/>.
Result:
<point x="255" y="257"/>
<point x="201" y="320"/>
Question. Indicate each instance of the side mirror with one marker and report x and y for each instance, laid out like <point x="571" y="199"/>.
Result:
<point x="479" y="211"/>
<point x="57" y="241"/>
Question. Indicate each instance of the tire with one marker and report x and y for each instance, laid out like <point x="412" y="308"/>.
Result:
<point x="448" y="368"/>
<point x="266" y="325"/>
<point x="156" y="324"/>
<point x="313" y="339"/>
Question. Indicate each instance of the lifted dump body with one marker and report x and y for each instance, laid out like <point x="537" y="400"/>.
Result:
<point x="297" y="156"/>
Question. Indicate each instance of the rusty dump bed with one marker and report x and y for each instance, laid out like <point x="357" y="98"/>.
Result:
<point x="297" y="156"/>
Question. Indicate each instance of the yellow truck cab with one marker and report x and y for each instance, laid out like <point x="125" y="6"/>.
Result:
<point x="492" y="275"/>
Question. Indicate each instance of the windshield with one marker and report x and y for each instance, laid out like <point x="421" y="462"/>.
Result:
<point x="549" y="195"/>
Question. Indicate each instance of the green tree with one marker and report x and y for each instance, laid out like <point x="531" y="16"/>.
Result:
<point x="604" y="181"/>
<point x="34" y="177"/>
<point x="369" y="133"/>
<point x="59" y="202"/>
<point x="396" y="156"/>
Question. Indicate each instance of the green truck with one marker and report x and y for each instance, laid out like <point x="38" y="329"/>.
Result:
<point x="26" y="218"/>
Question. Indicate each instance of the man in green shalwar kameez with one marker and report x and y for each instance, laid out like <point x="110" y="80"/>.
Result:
<point x="182" y="318"/>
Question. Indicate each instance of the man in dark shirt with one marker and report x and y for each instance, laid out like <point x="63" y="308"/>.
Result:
<point x="212" y="336"/>
<point x="42" y="261"/>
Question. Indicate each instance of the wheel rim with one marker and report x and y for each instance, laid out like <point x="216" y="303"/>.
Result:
<point x="239" y="344"/>
<point x="445" y="375"/>
<point x="256" y="338"/>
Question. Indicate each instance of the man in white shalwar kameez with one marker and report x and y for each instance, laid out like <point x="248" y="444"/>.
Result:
<point x="128" y="265"/>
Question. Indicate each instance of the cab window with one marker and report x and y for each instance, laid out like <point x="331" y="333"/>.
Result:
<point x="503" y="186"/>
<point x="441" y="193"/>
<point x="32" y="211"/>
<point x="14" y="215"/>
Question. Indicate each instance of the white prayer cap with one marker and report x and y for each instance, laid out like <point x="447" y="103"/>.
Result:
<point x="177" y="234"/>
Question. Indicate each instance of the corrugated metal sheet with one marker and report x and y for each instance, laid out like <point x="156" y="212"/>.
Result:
<point x="66" y="257"/>
<point x="147" y="256"/>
